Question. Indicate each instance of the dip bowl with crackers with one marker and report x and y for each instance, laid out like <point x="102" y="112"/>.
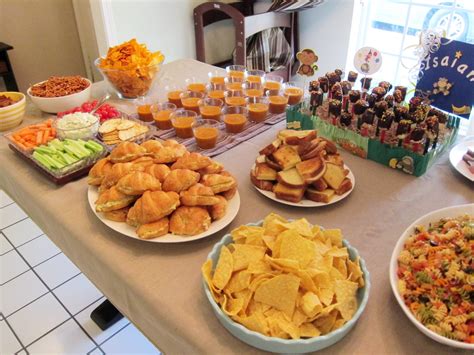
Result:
<point x="118" y="130"/>
<point x="286" y="286"/>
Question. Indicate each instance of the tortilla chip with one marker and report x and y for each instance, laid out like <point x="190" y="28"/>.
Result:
<point x="295" y="247"/>
<point x="223" y="271"/>
<point x="271" y="291"/>
<point x="243" y="254"/>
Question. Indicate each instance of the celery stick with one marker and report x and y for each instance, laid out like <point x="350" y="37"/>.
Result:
<point x="38" y="157"/>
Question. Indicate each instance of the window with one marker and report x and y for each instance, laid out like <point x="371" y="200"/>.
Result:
<point x="393" y="27"/>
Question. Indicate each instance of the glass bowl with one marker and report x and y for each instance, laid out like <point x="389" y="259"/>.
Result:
<point x="130" y="83"/>
<point x="77" y="129"/>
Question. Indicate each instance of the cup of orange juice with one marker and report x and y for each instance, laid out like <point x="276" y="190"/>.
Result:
<point x="206" y="133"/>
<point x="236" y="72"/>
<point x="293" y="92"/>
<point x="216" y="77"/>
<point x="254" y="76"/>
<point x="277" y="103"/>
<point x="232" y="84"/>
<point x="182" y="122"/>
<point x="253" y="90"/>
<point x="216" y="92"/>
<point x="172" y="94"/>
<point x="235" y="118"/>
<point x="235" y="98"/>
<point x="193" y="84"/>
<point x="211" y="109"/>
<point x="190" y="100"/>
<point x="272" y="83"/>
<point x="258" y="109"/>
<point x="143" y="107"/>
<point x="162" y="114"/>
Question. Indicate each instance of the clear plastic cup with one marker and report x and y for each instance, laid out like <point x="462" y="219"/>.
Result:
<point x="143" y="108"/>
<point x="211" y="109"/>
<point x="277" y="103"/>
<point x="235" y="98"/>
<point x="254" y="77"/>
<point x="195" y="85"/>
<point x="253" y="90"/>
<point x="190" y="100"/>
<point x="182" y="121"/>
<point x="235" y="118"/>
<point x="206" y="133"/>
<point x="232" y="84"/>
<point x="173" y="93"/>
<point x="258" y="109"/>
<point x="216" y="77"/>
<point x="237" y="72"/>
<point x="162" y="114"/>
<point x="272" y="83"/>
<point x="293" y="92"/>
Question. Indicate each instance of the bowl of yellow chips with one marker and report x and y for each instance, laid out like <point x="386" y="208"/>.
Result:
<point x="286" y="286"/>
<point x="130" y="69"/>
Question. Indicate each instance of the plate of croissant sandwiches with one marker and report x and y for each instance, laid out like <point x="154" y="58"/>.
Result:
<point x="160" y="192"/>
<point x="301" y="169"/>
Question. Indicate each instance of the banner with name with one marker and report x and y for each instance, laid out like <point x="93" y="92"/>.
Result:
<point x="447" y="77"/>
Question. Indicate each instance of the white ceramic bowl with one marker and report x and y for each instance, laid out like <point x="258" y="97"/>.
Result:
<point x="61" y="103"/>
<point x="434" y="216"/>
<point x="278" y="345"/>
<point x="11" y="116"/>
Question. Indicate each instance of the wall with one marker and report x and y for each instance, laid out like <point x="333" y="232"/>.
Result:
<point x="327" y="30"/>
<point x="45" y="38"/>
<point x="166" y="25"/>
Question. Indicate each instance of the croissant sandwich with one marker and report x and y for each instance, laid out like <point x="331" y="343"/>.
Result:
<point x="198" y="195"/>
<point x="180" y="179"/>
<point x="112" y="199"/>
<point x="137" y="182"/>
<point x="126" y="151"/>
<point x="152" y="206"/>
<point x="98" y="171"/>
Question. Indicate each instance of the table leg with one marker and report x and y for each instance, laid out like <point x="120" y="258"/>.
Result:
<point x="9" y="77"/>
<point x="106" y="315"/>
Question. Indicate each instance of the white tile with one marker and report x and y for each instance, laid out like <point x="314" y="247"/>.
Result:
<point x="22" y="232"/>
<point x="11" y="214"/>
<point x="129" y="341"/>
<point x="11" y="265"/>
<point x="38" y="250"/>
<point x="36" y="319"/>
<point x="57" y="270"/>
<point x="68" y="338"/>
<point x="77" y="293"/>
<point x="9" y="344"/>
<point x="4" y="245"/>
<point x="4" y="199"/>
<point x="99" y="335"/>
<point x="20" y="291"/>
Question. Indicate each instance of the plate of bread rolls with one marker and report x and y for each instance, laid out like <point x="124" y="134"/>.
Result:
<point x="301" y="169"/>
<point x="160" y="192"/>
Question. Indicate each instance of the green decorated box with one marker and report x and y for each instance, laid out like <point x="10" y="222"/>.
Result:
<point x="397" y="157"/>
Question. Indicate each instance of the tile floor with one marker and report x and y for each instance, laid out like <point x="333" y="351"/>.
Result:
<point x="45" y="301"/>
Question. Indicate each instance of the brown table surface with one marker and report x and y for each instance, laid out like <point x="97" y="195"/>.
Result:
<point x="158" y="286"/>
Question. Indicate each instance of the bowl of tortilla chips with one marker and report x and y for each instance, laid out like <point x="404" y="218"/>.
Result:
<point x="130" y="69"/>
<point x="286" y="286"/>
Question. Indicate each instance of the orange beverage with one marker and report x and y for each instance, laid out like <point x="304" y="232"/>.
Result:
<point x="183" y="126"/>
<point x="254" y="92"/>
<point x="254" y="79"/>
<point x="174" y="98"/>
<point x="216" y="94"/>
<point x="217" y="80"/>
<point x="144" y="113"/>
<point x="235" y="100"/>
<point x="294" y="95"/>
<point x="206" y="137"/>
<point x="234" y="86"/>
<point x="163" y="119"/>
<point x="236" y="75"/>
<point x="234" y="122"/>
<point x="277" y="104"/>
<point x="191" y="103"/>
<point x="210" y="112"/>
<point x="272" y="86"/>
<point x="197" y="87"/>
<point x="257" y="111"/>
